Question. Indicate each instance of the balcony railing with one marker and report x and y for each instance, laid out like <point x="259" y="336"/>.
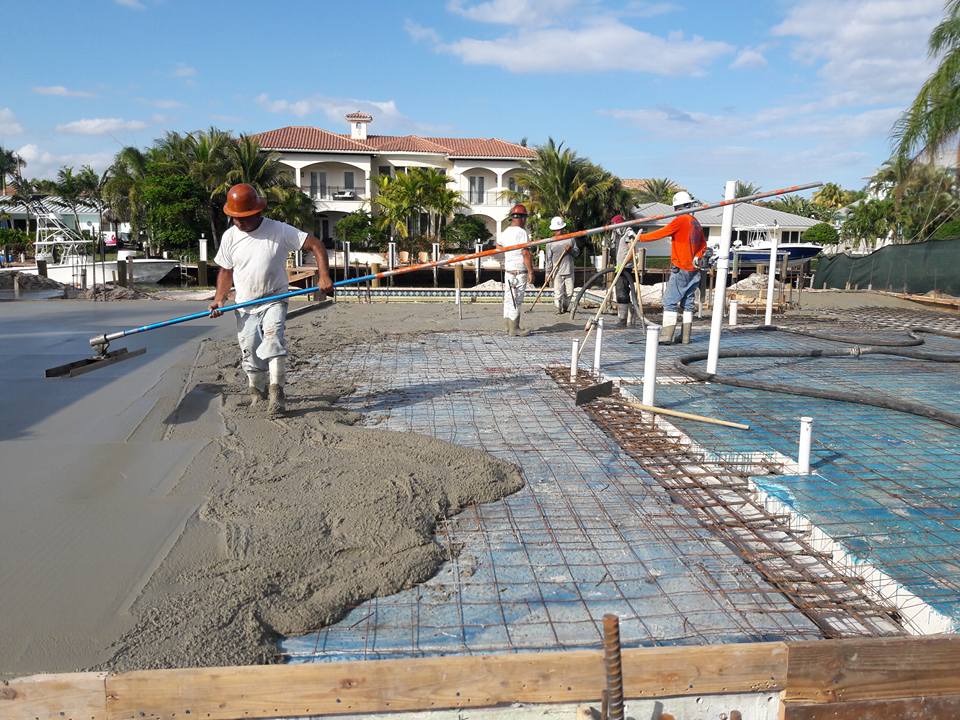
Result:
<point x="333" y="192"/>
<point x="492" y="197"/>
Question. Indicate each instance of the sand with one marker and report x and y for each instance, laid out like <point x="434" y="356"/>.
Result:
<point x="306" y="515"/>
<point x="28" y="281"/>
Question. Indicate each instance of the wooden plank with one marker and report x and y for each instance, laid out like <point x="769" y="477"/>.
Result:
<point x="70" y="696"/>
<point x="434" y="683"/>
<point x="823" y="671"/>
<point x="946" y="707"/>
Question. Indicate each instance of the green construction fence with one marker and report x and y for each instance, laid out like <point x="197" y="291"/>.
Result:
<point x="915" y="268"/>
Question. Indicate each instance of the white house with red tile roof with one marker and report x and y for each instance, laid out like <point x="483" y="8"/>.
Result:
<point x="339" y="170"/>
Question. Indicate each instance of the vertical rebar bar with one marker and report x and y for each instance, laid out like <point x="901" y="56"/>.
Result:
<point x="612" y="662"/>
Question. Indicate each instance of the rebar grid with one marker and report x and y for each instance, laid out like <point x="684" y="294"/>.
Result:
<point x="720" y="496"/>
<point x="592" y="533"/>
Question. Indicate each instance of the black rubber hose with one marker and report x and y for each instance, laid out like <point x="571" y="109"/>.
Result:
<point x="586" y="286"/>
<point x="683" y="365"/>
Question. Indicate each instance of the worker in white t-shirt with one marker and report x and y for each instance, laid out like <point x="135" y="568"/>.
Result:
<point x="253" y="260"/>
<point x="517" y="269"/>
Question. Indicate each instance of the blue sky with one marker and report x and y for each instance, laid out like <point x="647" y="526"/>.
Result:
<point x="770" y="92"/>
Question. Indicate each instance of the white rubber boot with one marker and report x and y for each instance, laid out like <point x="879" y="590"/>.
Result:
<point x="669" y="327"/>
<point x="277" y="401"/>
<point x="687" y="327"/>
<point x="257" y="388"/>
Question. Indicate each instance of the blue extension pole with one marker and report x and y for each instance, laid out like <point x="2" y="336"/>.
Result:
<point x="101" y="341"/>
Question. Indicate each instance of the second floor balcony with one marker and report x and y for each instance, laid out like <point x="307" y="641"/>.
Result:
<point x="334" y="192"/>
<point x="491" y="198"/>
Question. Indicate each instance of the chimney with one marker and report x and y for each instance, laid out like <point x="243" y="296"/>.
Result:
<point x="358" y="124"/>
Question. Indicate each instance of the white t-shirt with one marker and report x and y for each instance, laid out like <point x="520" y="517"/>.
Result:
<point x="259" y="258"/>
<point x="513" y="260"/>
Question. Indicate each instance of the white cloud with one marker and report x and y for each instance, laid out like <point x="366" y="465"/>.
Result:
<point x="8" y="123"/>
<point x="164" y="104"/>
<point x="513" y="12"/>
<point x="44" y="164"/>
<point x="61" y="91"/>
<point x="419" y="33"/>
<point x="100" y="126"/>
<point x="601" y="44"/>
<point x="644" y="9"/>
<point x="135" y="4"/>
<point x="749" y="58"/>
<point x="386" y="115"/>
<point x="875" y="50"/>
<point x="182" y="70"/>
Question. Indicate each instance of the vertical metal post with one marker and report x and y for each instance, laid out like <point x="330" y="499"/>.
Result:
<point x="733" y="313"/>
<point x="598" y="343"/>
<point x="771" y="279"/>
<point x="650" y="365"/>
<point x="391" y="257"/>
<point x="434" y="257"/>
<point x="130" y="277"/>
<point x="122" y="272"/>
<point x="346" y="259"/>
<point x="574" y="356"/>
<point x="614" y="666"/>
<point x="201" y="264"/>
<point x="803" y="453"/>
<point x="720" y="290"/>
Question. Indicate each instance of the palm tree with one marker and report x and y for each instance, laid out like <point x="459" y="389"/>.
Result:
<point x="10" y="166"/>
<point x="290" y="205"/>
<point x="396" y="202"/>
<point x="552" y="181"/>
<point x="659" y="190"/>
<point x="92" y="191"/>
<point x="123" y="189"/>
<point x="206" y="156"/>
<point x="22" y="194"/>
<point x="831" y="195"/>
<point x="70" y="191"/>
<point x="745" y="189"/>
<point x="934" y="115"/>
<point x="249" y="164"/>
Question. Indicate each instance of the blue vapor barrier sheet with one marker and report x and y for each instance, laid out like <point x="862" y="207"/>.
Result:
<point x="885" y="484"/>
<point x="591" y="533"/>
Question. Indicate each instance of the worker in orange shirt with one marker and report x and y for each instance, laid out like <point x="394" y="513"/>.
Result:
<point x="686" y="253"/>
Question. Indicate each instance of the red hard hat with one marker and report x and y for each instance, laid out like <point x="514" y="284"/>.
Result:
<point x="243" y="200"/>
<point x="616" y="219"/>
<point x="518" y="210"/>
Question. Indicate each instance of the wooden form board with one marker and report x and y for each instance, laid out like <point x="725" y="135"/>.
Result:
<point x="946" y="707"/>
<point x="816" y="678"/>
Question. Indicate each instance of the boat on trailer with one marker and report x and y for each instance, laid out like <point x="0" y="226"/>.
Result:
<point x="756" y="249"/>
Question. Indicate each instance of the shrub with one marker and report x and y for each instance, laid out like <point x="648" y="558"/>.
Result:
<point x="463" y="231"/>
<point x="822" y="234"/>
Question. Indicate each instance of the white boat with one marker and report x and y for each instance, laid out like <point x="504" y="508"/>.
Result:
<point x="72" y="271"/>
<point x="756" y="250"/>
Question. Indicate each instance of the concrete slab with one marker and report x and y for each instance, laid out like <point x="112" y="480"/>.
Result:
<point x="89" y="503"/>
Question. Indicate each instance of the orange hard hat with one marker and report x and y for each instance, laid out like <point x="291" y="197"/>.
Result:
<point x="518" y="210"/>
<point x="243" y="200"/>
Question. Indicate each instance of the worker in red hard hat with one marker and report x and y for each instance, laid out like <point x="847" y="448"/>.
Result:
<point x="686" y="251"/>
<point x="253" y="260"/>
<point x="625" y="290"/>
<point x="517" y="269"/>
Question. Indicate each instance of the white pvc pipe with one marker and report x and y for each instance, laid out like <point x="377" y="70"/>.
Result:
<point x="803" y="453"/>
<point x="733" y="313"/>
<point x="650" y="364"/>
<point x="574" y="356"/>
<point x="596" y="348"/>
<point x="720" y="289"/>
<point x="771" y="279"/>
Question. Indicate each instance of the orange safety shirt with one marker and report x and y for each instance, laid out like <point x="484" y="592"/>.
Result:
<point x="688" y="240"/>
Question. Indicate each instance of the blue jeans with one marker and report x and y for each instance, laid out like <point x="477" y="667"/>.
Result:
<point x="680" y="291"/>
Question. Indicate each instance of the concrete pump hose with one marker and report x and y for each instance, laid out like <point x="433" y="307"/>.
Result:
<point x="888" y="402"/>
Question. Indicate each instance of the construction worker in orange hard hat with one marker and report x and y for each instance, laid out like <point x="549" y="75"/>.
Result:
<point x="686" y="253"/>
<point x="517" y="268"/>
<point x="253" y="260"/>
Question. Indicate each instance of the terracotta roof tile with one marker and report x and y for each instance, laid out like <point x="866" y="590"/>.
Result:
<point x="298" y="137"/>
<point x="316" y="139"/>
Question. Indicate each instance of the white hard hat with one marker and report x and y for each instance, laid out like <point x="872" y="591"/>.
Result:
<point x="682" y="198"/>
<point x="557" y="223"/>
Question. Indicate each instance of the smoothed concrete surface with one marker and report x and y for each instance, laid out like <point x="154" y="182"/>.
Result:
<point x="89" y="501"/>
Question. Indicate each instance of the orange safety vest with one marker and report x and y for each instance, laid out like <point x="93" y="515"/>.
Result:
<point x="688" y="240"/>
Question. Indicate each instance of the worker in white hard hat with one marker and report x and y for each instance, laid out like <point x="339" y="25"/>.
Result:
<point x="686" y="251"/>
<point x="560" y="255"/>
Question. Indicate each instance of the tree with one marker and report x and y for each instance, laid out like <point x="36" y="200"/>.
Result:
<point x="934" y="115"/>
<point x="123" y="191"/>
<point x="249" y="164"/>
<point x="396" y="202"/>
<point x="869" y="220"/>
<point x="11" y="166"/>
<point x="822" y="234"/>
<point x="13" y="240"/>
<point x="360" y="230"/>
<point x="464" y="231"/>
<point x="831" y="195"/>
<point x="660" y="190"/>
<point x="922" y="197"/>
<point x="290" y="205"/>
<point x="175" y="208"/>
<point x="70" y="190"/>
<point x="797" y="205"/>
<point x="744" y="189"/>
<point x="22" y="191"/>
<point x="206" y="155"/>
<point x="557" y="181"/>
